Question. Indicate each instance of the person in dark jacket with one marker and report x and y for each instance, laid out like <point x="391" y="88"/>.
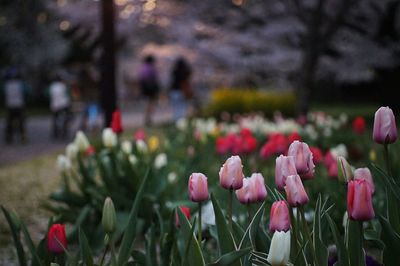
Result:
<point x="181" y="90"/>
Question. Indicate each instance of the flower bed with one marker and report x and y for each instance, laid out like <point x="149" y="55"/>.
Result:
<point x="303" y="176"/>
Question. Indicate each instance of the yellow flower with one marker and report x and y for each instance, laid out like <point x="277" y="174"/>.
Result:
<point x="372" y="155"/>
<point x="153" y="143"/>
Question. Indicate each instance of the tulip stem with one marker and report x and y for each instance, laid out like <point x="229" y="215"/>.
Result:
<point x="230" y="210"/>
<point x="200" y="230"/>
<point x="387" y="159"/>
<point x="307" y="232"/>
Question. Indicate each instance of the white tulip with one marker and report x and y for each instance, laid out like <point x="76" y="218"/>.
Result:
<point x="141" y="146"/>
<point x="72" y="151"/>
<point x="133" y="159"/>
<point x="109" y="138"/>
<point x="172" y="177"/>
<point x="160" y="161"/>
<point x="126" y="147"/>
<point x="279" y="251"/>
<point x="81" y="141"/>
<point x="63" y="163"/>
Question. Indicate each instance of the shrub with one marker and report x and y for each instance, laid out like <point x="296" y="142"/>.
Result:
<point x="250" y="100"/>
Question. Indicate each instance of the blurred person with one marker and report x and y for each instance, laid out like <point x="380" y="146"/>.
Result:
<point x="149" y="86"/>
<point x="60" y="106"/>
<point x="181" y="90"/>
<point x="15" y="94"/>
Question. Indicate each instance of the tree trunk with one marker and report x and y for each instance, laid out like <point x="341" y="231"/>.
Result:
<point x="107" y="63"/>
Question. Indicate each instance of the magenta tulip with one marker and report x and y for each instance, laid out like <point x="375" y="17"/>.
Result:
<point x="279" y="217"/>
<point x="198" y="187"/>
<point x="365" y="173"/>
<point x="303" y="158"/>
<point x="231" y="173"/>
<point x="359" y="200"/>
<point x="295" y="192"/>
<point x="284" y="167"/>
<point x="385" y="130"/>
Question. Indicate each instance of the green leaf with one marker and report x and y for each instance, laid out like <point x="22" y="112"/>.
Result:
<point x="231" y="257"/>
<point x="16" y="238"/>
<point x="139" y="257"/>
<point x="343" y="257"/>
<point x="31" y="246"/>
<point x="192" y="254"/>
<point x="392" y="243"/>
<point x="321" y="252"/>
<point x="255" y="230"/>
<point x="167" y="242"/>
<point x="130" y="232"/>
<point x="226" y="243"/>
<point x="86" y="254"/>
<point x="354" y="243"/>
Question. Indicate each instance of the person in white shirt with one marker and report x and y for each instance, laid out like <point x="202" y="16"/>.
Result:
<point x="60" y="107"/>
<point x="14" y="95"/>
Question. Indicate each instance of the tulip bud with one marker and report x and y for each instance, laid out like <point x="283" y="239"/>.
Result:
<point x="385" y="130"/>
<point x="284" y="167"/>
<point x="244" y="193"/>
<point x="231" y="173"/>
<point x="109" y="219"/>
<point x="295" y="192"/>
<point x="116" y="122"/>
<point x="359" y="200"/>
<point x="56" y="239"/>
<point x="153" y="143"/>
<point x="345" y="172"/>
<point x="259" y="191"/>
<point x="71" y="151"/>
<point x="365" y="173"/>
<point x="186" y="212"/>
<point x="63" y="163"/>
<point x="198" y="187"/>
<point x="126" y="147"/>
<point x="81" y="141"/>
<point x="303" y="158"/>
<point x="109" y="138"/>
<point x="160" y="161"/>
<point x="133" y="159"/>
<point x="141" y="146"/>
<point x="279" y="217"/>
<point x="279" y="250"/>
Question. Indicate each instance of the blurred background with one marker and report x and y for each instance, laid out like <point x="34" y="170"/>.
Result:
<point x="314" y="52"/>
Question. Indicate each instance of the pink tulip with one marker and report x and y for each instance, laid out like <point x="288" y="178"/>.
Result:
<point x="385" y="130"/>
<point x="244" y="193"/>
<point x="295" y="192"/>
<point x="365" y="173"/>
<point x="231" y="174"/>
<point x="359" y="200"/>
<point x="303" y="158"/>
<point x="258" y="189"/>
<point x="284" y="167"/>
<point x="279" y="217"/>
<point x="198" y="187"/>
<point x="253" y="189"/>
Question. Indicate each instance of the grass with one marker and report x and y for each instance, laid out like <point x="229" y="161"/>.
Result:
<point x="23" y="188"/>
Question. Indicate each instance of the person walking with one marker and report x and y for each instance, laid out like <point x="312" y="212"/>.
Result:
<point x="15" y="93"/>
<point x="60" y="105"/>
<point x="149" y="86"/>
<point x="181" y="90"/>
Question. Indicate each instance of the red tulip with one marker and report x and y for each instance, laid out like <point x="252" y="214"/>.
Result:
<point x="293" y="136"/>
<point x="90" y="151"/>
<point x="198" y="187"/>
<point x="295" y="192"/>
<point x="359" y="200"/>
<point x="186" y="212"/>
<point x="359" y="125"/>
<point x="222" y="145"/>
<point x="279" y="217"/>
<point x="116" y="122"/>
<point x="268" y="150"/>
<point x="303" y="159"/>
<point x="280" y="142"/>
<point x="56" y="239"/>
<point x="284" y="167"/>
<point x="385" y="130"/>
<point x="249" y="144"/>
<point x="365" y="173"/>
<point x="317" y="155"/>
<point x="231" y="173"/>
